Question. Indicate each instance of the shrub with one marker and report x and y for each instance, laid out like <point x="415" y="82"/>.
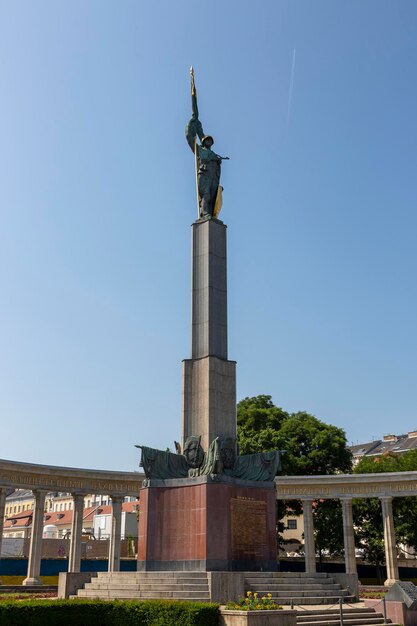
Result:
<point x="108" y="613"/>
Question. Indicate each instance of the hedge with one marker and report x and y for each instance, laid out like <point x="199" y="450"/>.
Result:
<point x="108" y="613"/>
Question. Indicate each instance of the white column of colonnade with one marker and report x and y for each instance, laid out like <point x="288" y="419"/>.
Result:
<point x="115" y="536"/>
<point x="309" y="547"/>
<point x="348" y="536"/>
<point x="74" y="559"/>
<point x="390" y="542"/>
<point x="2" y="507"/>
<point x="35" y="550"/>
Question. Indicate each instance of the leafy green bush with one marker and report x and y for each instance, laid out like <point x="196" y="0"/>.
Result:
<point x="107" y="613"/>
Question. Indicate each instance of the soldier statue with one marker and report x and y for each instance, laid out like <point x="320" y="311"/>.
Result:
<point x="208" y="163"/>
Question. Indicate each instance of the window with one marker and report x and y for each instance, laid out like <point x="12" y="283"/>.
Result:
<point x="292" y="524"/>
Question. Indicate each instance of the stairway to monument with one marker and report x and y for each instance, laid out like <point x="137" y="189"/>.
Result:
<point x="146" y="585"/>
<point x="297" y="587"/>
<point x="331" y="617"/>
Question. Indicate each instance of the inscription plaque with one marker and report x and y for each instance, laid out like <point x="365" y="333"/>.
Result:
<point x="249" y="528"/>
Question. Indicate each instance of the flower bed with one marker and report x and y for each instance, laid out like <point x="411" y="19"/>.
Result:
<point x="256" y="611"/>
<point x="252" y="602"/>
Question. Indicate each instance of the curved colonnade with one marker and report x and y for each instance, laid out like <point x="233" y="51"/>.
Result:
<point x="42" y="479"/>
<point x="346" y="487"/>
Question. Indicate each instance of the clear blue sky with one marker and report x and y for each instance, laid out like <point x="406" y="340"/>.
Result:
<point x="97" y="195"/>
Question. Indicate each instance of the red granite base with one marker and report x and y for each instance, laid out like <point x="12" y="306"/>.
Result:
<point x="200" y="524"/>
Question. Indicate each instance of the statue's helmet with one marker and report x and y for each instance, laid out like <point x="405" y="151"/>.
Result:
<point x="205" y="138"/>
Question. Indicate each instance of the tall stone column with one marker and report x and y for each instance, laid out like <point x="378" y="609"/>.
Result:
<point x="35" y="550"/>
<point x="116" y="529"/>
<point x="389" y="541"/>
<point x="309" y="547"/>
<point x="348" y="536"/>
<point x="209" y="378"/>
<point x="74" y="560"/>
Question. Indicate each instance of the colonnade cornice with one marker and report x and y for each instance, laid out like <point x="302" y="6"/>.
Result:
<point x="21" y="475"/>
<point x="342" y="486"/>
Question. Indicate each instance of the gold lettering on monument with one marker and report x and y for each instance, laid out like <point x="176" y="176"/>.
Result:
<point x="249" y="528"/>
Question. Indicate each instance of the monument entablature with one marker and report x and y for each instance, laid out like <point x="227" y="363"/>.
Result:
<point x="16" y="475"/>
<point x="341" y="486"/>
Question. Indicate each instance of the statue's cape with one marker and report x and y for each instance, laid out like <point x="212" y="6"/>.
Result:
<point x="259" y="466"/>
<point x="160" y="464"/>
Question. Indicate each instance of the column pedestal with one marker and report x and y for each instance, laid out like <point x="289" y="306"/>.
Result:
<point x="201" y="524"/>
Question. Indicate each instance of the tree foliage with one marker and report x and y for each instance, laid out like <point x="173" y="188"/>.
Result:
<point x="328" y="528"/>
<point x="311" y="446"/>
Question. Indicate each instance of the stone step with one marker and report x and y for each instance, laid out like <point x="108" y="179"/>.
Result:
<point x="152" y="574"/>
<point x="195" y="596"/>
<point x="289" y="575"/>
<point x="338" y="593"/>
<point x="147" y="587"/>
<point x="303" y="600"/>
<point x="149" y="581"/>
<point x="284" y="586"/>
<point x="312" y="613"/>
<point x="319" y="616"/>
<point x="290" y="581"/>
<point x="348" y="621"/>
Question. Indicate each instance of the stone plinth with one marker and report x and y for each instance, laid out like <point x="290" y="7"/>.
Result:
<point x="209" y="399"/>
<point x="201" y="524"/>
<point x="397" y="612"/>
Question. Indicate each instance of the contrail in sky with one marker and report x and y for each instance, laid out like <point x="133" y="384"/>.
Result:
<point x="291" y="88"/>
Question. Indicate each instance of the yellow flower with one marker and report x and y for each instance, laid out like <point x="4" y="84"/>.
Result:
<point x="258" y="606"/>
<point x="263" y="598"/>
<point x="255" y="595"/>
<point x="249" y="593"/>
<point x="269" y="595"/>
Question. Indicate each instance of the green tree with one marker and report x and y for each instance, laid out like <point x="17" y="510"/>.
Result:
<point x="311" y="447"/>
<point x="328" y="528"/>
